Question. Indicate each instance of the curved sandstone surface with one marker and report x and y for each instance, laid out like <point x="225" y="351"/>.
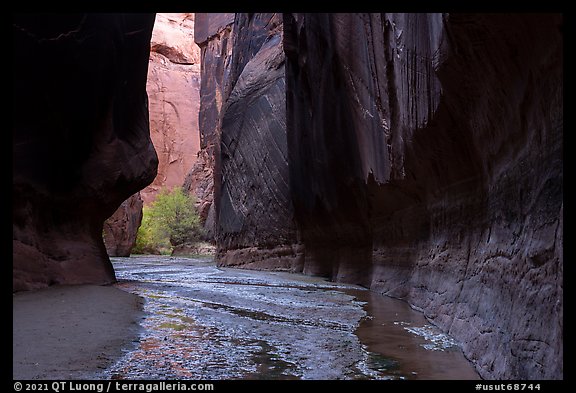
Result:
<point x="81" y="142"/>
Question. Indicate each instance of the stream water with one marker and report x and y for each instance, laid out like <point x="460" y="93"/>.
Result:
<point x="205" y="322"/>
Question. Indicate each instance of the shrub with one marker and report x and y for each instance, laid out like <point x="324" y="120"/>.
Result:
<point x="170" y="221"/>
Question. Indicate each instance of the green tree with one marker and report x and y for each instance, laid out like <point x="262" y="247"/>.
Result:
<point x="170" y="221"/>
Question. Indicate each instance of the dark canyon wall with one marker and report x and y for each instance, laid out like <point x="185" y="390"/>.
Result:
<point x="419" y="155"/>
<point x="121" y="228"/>
<point x="212" y="33"/>
<point x="254" y="209"/>
<point x="425" y="156"/>
<point x="243" y="119"/>
<point x="81" y="141"/>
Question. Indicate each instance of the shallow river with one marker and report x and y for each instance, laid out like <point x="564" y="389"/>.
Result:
<point x="205" y="322"/>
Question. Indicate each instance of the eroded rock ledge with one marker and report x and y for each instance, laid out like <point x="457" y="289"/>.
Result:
<point x="81" y="142"/>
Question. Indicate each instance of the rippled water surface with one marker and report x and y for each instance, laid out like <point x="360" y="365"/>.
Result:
<point x="205" y="322"/>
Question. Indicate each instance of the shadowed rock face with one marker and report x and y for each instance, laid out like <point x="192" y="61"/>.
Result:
<point x="81" y="140"/>
<point x="425" y="156"/>
<point x="212" y="33"/>
<point x="243" y="139"/>
<point x="254" y="215"/>
<point x="121" y="228"/>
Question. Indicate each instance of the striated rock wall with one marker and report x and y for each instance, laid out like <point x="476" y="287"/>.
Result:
<point x="121" y="228"/>
<point x="80" y="137"/>
<point x="254" y="215"/>
<point x="213" y="36"/>
<point x="425" y="156"/>
<point x="200" y="182"/>
<point x="174" y="100"/>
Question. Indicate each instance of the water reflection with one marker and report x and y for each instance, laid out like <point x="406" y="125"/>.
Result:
<point x="203" y="322"/>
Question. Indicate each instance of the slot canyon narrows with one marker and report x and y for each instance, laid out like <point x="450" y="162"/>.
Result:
<point x="375" y="196"/>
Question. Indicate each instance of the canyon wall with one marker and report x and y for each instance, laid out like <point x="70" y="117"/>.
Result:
<point x="173" y="87"/>
<point x="212" y="34"/>
<point x="174" y="99"/>
<point x="419" y="155"/>
<point x="121" y="228"/>
<point x="254" y="214"/>
<point x="425" y="156"/>
<point x="80" y="137"/>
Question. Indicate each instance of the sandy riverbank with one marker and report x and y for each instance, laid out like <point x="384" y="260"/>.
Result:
<point x="72" y="332"/>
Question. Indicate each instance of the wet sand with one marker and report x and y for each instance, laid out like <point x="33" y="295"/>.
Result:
<point x="72" y="332"/>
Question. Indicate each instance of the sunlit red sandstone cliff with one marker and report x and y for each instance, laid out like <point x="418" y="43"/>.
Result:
<point x="173" y="99"/>
<point x="173" y="88"/>
<point x="419" y="155"/>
